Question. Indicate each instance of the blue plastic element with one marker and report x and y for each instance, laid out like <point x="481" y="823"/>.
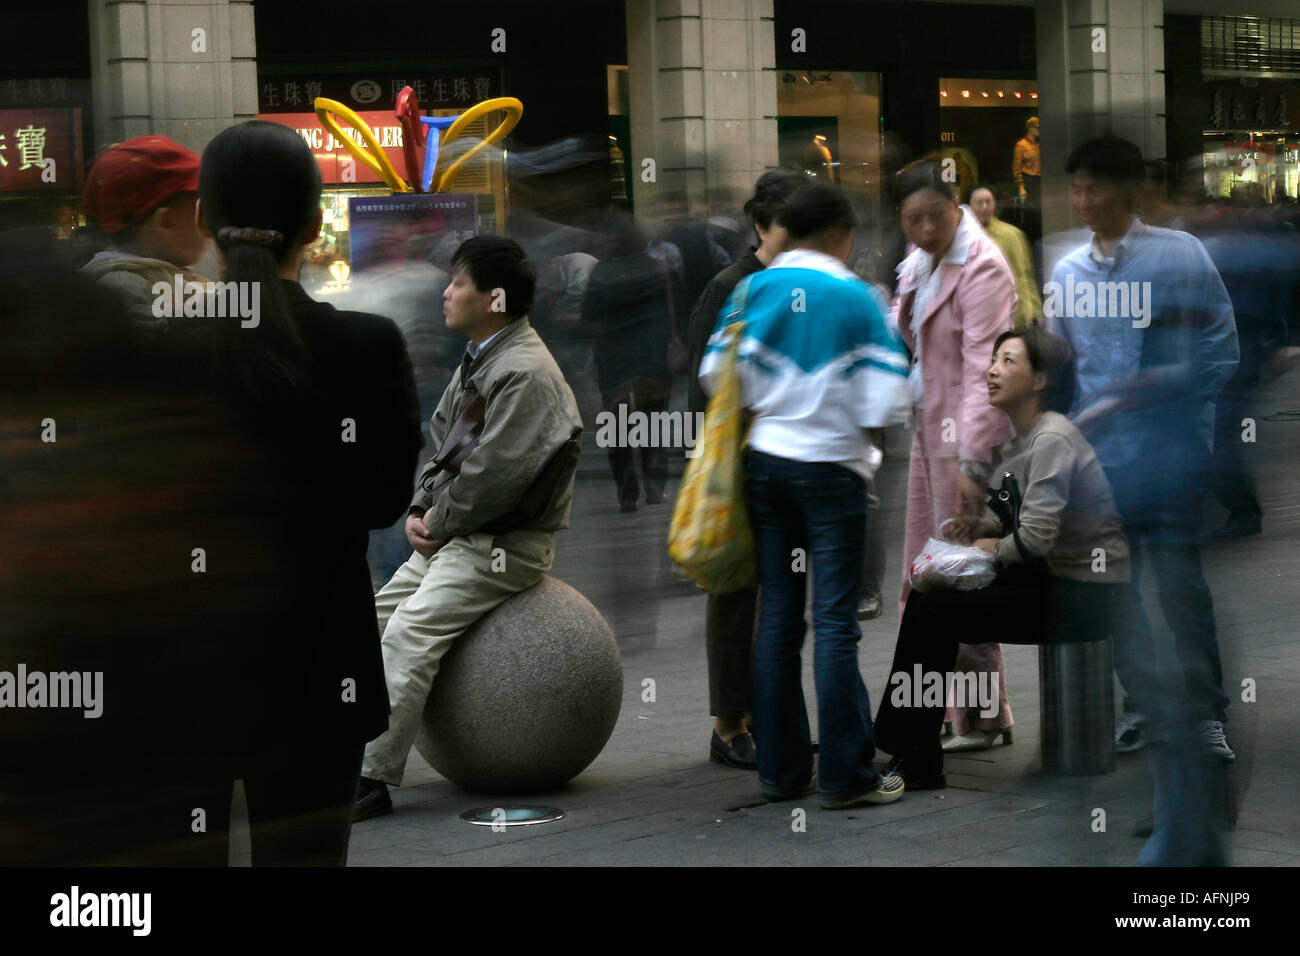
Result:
<point x="432" y="138"/>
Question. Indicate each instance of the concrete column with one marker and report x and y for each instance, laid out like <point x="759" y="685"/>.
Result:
<point x="702" y="81"/>
<point x="1101" y="66"/>
<point x="183" y="68"/>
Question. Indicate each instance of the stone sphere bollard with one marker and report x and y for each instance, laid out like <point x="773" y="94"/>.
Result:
<point x="527" y="698"/>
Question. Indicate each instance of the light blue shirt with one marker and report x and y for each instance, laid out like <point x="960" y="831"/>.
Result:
<point x="473" y="349"/>
<point x="1152" y="322"/>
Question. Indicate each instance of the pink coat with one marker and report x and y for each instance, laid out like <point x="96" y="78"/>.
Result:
<point x="975" y="304"/>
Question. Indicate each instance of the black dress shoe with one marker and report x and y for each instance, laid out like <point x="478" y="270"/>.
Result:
<point x="933" y="780"/>
<point x="372" y="800"/>
<point x="741" y="752"/>
<point x="1239" y="526"/>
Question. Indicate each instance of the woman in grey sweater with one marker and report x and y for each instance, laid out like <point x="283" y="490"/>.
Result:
<point x="1063" y="571"/>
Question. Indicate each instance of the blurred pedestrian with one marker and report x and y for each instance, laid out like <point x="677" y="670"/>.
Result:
<point x="1259" y="263"/>
<point x="729" y="618"/>
<point x="818" y="367"/>
<point x="956" y="295"/>
<point x="1148" y="377"/>
<point x="1015" y="248"/>
<point x="628" y="308"/>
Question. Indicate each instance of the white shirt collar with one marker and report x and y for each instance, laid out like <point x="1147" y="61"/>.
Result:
<point x="811" y="259"/>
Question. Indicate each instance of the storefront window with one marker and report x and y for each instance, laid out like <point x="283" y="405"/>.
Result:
<point x="1252" y="140"/>
<point x="989" y="134"/>
<point x="828" y="124"/>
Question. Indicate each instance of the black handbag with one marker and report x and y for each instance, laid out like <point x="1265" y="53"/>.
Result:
<point x="1005" y="502"/>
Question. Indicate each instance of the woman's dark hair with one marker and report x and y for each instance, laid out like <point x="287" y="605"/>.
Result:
<point x="814" y="209"/>
<point x="260" y="188"/>
<point x="924" y="173"/>
<point x="495" y="262"/>
<point x="772" y="191"/>
<point x="1051" y="357"/>
<point x="1111" y="158"/>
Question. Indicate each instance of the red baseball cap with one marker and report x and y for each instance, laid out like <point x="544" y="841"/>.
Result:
<point x="134" y="178"/>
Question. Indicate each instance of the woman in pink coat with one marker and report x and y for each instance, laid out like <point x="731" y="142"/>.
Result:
<point x="956" y="295"/>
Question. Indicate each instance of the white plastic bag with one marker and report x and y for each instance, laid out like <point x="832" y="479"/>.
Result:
<point x="944" y="565"/>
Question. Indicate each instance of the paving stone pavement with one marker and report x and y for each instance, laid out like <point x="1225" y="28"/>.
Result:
<point x="652" y="798"/>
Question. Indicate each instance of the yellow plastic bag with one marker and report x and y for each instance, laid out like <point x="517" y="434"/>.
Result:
<point x="710" y="537"/>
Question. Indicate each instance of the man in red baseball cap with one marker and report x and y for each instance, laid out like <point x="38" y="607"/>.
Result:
<point x="142" y="193"/>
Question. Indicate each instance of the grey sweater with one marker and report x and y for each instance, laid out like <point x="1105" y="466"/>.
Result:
<point x="1067" y="512"/>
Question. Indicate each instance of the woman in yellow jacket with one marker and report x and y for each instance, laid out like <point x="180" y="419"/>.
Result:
<point x="1012" y="242"/>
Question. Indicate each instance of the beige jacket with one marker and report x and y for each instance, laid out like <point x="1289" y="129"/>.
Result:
<point x="530" y="416"/>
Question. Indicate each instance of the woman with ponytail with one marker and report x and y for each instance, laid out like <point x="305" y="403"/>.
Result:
<point x="329" y="398"/>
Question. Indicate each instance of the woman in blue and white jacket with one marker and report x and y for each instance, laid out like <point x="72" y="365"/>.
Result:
<point x="818" y="366"/>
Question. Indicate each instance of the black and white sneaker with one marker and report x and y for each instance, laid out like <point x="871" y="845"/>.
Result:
<point x="1215" y="741"/>
<point x="889" y="789"/>
<point x="1129" y="734"/>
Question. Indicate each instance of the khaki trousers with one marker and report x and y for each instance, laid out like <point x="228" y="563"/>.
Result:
<point x="428" y="604"/>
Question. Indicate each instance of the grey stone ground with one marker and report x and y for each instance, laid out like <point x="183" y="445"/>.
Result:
<point x="652" y="798"/>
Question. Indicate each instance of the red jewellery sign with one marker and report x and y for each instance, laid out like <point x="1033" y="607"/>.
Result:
<point x="337" y="165"/>
<point x="40" y="151"/>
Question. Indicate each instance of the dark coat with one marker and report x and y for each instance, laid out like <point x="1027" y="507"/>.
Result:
<point x="704" y="318"/>
<point x="342" y="490"/>
<point x="628" y="308"/>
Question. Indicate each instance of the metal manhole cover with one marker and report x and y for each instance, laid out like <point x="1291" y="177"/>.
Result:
<point x="511" y="816"/>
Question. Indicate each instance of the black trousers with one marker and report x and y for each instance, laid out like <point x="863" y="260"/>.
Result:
<point x="1231" y="477"/>
<point x="1023" y="605"/>
<point x="729" y="637"/>
<point x="300" y="806"/>
<point x="177" y="812"/>
<point x="654" y="471"/>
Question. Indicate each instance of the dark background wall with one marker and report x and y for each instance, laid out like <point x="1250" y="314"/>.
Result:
<point x="555" y="56"/>
<point x="1185" y="101"/>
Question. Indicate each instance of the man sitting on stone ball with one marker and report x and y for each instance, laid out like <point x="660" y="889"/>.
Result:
<point x="484" y="516"/>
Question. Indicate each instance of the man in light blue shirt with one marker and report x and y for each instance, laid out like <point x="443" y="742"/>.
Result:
<point x="1154" y="339"/>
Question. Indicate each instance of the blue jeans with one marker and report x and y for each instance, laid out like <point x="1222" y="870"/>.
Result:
<point x="819" y="508"/>
<point x="1162" y="515"/>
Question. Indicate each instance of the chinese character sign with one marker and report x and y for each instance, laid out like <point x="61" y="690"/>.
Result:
<point x="40" y="151"/>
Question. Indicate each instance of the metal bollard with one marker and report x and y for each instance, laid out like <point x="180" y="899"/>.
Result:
<point x="1077" y="696"/>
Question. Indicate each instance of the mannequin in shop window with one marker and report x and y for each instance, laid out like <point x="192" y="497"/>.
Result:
<point x="817" y="159"/>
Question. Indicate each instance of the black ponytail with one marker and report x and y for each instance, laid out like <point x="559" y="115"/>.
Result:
<point x="260" y="188"/>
